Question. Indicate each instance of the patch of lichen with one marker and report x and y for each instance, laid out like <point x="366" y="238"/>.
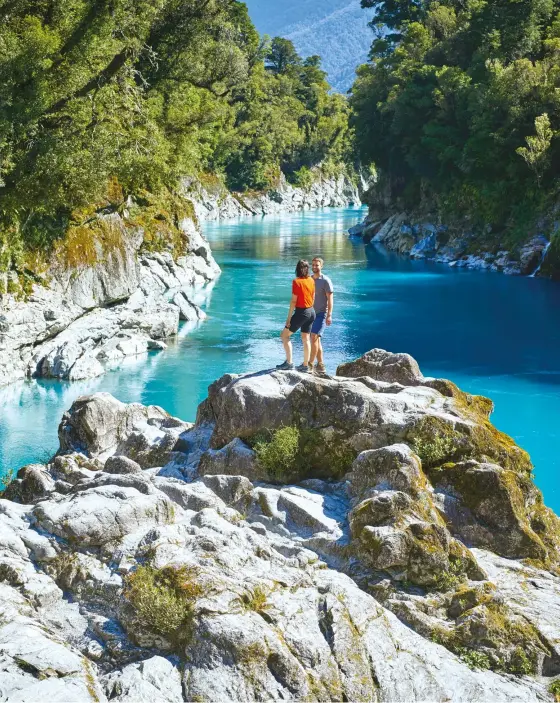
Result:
<point x="89" y="238"/>
<point x="516" y="641"/>
<point x="546" y="524"/>
<point x="474" y="407"/>
<point x="437" y="441"/>
<point x="486" y="443"/>
<point x="466" y="596"/>
<point x="513" y="502"/>
<point x="489" y="635"/>
<point x="160" y="217"/>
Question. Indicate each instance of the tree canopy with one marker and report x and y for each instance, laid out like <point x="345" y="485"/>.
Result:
<point x="95" y="93"/>
<point x="459" y="107"/>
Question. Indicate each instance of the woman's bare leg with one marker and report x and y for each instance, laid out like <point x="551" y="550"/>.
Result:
<point x="306" y="341"/>
<point x="287" y="342"/>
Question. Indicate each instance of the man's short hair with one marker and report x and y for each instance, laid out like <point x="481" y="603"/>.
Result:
<point x="318" y="258"/>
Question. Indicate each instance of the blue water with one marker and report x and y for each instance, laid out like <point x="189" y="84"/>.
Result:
<point x="490" y="333"/>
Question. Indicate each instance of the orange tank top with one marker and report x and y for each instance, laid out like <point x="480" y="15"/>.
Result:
<point x="304" y="288"/>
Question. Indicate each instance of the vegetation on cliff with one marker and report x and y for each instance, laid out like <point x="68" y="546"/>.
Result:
<point x="96" y="93"/>
<point x="459" y="109"/>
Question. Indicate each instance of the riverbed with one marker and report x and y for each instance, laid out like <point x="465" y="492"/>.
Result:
<point x="489" y="333"/>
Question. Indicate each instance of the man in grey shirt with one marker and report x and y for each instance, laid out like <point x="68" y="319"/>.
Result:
<point x="323" y="305"/>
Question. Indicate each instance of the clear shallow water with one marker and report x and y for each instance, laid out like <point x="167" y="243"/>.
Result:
<point x="491" y="334"/>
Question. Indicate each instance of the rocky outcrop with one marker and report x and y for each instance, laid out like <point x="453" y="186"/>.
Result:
<point x="154" y="559"/>
<point x="87" y="318"/>
<point x="425" y="240"/>
<point x="212" y="201"/>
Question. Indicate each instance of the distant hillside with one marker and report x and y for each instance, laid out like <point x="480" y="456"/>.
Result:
<point x="337" y="30"/>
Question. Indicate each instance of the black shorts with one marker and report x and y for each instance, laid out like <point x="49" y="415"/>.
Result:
<point x="303" y="318"/>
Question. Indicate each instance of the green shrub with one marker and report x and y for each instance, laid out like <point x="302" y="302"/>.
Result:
<point x="447" y="581"/>
<point x="279" y="455"/>
<point x="255" y="599"/>
<point x="434" y="449"/>
<point x="474" y="659"/>
<point x="290" y="454"/>
<point x="6" y="480"/>
<point x="554" y="688"/>
<point x="521" y="664"/>
<point x="303" y="178"/>
<point x="163" y="599"/>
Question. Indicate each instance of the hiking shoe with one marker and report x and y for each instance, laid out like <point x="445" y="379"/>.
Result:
<point x="285" y="366"/>
<point x="304" y="368"/>
<point x="320" y="368"/>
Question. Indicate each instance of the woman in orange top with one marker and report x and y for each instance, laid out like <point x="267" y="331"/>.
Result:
<point x="300" y="316"/>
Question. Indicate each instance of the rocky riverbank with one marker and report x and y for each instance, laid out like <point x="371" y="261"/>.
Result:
<point x="81" y="319"/>
<point x="212" y="201"/>
<point x="369" y="536"/>
<point x="425" y="240"/>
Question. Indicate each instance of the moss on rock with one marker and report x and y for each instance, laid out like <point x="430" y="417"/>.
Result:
<point x="290" y="454"/>
<point x="437" y="441"/>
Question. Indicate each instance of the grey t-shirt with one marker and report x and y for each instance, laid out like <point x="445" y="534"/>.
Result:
<point x="323" y="286"/>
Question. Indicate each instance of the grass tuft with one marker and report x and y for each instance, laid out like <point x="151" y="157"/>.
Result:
<point x="163" y="599"/>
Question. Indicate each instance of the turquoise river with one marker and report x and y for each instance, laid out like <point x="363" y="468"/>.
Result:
<point x="491" y="334"/>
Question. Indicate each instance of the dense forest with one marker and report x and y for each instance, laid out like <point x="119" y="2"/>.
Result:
<point x="105" y="99"/>
<point x="459" y="108"/>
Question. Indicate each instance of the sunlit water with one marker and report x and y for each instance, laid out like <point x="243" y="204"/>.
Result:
<point x="490" y="333"/>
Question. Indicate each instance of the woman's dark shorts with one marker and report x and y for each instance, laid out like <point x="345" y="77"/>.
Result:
<point x="303" y="318"/>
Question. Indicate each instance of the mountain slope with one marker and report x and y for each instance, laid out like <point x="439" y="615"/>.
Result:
<point x="337" y="30"/>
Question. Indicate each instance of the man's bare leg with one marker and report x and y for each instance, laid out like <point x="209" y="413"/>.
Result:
<point x="319" y="351"/>
<point x="315" y="344"/>
<point x="287" y="343"/>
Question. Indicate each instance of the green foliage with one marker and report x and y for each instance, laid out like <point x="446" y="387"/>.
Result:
<point x="473" y="658"/>
<point x="291" y="454"/>
<point x="95" y="94"/>
<point x="450" y="580"/>
<point x="256" y="599"/>
<point x="434" y="441"/>
<point x="279" y="455"/>
<point x="536" y="153"/>
<point x="454" y="95"/>
<point x="434" y="450"/>
<point x="163" y="599"/>
<point x="6" y="479"/>
<point x="554" y="688"/>
<point x="303" y="178"/>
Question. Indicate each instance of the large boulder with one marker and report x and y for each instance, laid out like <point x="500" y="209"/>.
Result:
<point x="98" y="515"/>
<point x="394" y="523"/>
<point x="384" y="366"/>
<point x="100" y="426"/>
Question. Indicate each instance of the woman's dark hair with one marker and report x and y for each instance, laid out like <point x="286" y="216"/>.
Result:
<point x="302" y="269"/>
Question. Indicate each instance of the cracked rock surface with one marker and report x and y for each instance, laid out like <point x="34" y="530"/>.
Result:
<point x="158" y="560"/>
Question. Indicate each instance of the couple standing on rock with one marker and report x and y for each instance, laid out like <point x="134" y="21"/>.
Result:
<point x="310" y="310"/>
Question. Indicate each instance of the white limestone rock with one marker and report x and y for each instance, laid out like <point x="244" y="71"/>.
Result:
<point x="153" y="680"/>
